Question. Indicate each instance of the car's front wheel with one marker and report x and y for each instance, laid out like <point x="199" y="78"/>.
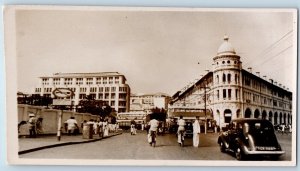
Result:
<point x="239" y="154"/>
<point x="222" y="147"/>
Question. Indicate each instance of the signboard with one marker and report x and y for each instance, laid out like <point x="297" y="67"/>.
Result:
<point x="62" y="92"/>
<point x="62" y="102"/>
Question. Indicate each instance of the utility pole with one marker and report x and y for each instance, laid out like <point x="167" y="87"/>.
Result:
<point x="205" y="82"/>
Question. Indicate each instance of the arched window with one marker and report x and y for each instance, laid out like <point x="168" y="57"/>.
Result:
<point x="271" y="117"/>
<point x="229" y="78"/>
<point x="224" y="78"/>
<point x="235" y="78"/>
<point x="256" y="113"/>
<point x="217" y="79"/>
<point x="248" y="113"/>
<point x="264" y="115"/>
<point x="224" y="93"/>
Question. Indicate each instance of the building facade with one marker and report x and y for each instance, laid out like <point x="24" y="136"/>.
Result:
<point x="110" y="87"/>
<point x="147" y="102"/>
<point x="230" y="92"/>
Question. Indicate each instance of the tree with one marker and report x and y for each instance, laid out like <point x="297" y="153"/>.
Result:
<point x="34" y="99"/>
<point x="94" y="107"/>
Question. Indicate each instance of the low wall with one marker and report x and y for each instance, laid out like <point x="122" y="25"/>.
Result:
<point x="50" y="118"/>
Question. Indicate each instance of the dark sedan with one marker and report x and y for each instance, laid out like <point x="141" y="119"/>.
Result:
<point x="249" y="137"/>
<point x="189" y="129"/>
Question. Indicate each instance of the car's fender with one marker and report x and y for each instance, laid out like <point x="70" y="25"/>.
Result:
<point x="243" y="146"/>
<point x="223" y="139"/>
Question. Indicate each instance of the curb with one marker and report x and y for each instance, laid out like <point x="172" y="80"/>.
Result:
<point x="64" y="144"/>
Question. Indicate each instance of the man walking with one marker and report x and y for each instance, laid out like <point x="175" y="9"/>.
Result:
<point x="71" y="125"/>
<point x="181" y="129"/>
<point x="152" y="130"/>
<point x="32" y="125"/>
<point x="196" y="132"/>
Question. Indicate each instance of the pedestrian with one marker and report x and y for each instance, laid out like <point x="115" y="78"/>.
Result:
<point x="196" y="132"/>
<point x="181" y="129"/>
<point x="290" y="128"/>
<point x="105" y="128"/>
<point x="100" y="125"/>
<point x="152" y="130"/>
<point x="71" y="125"/>
<point x="282" y="128"/>
<point x="143" y="125"/>
<point x="132" y="128"/>
<point x="117" y="127"/>
<point x="32" y="125"/>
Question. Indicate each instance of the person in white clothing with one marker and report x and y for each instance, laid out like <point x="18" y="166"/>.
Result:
<point x="132" y="128"/>
<point x="72" y="125"/>
<point x="143" y="126"/>
<point x="100" y="125"/>
<point x="181" y="129"/>
<point x="96" y="127"/>
<point x="32" y="125"/>
<point x="152" y="130"/>
<point x="196" y="132"/>
<point x="105" y="128"/>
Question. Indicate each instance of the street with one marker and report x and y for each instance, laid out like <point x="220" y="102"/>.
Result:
<point x="126" y="146"/>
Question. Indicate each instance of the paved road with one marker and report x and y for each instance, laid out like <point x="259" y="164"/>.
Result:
<point x="128" y="146"/>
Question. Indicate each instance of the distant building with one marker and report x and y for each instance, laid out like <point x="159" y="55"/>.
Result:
<point x="146" y="102"/>
<point x="111" y="87"/>
<point x="229" y="92"/>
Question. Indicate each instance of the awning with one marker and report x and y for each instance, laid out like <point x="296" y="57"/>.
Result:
<point x="209" y="115"/>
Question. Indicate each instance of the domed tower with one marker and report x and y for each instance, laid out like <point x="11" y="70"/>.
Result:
<point x="227" y="84"/>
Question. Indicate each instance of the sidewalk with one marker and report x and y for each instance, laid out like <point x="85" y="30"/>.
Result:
<point x="27" y="145"/>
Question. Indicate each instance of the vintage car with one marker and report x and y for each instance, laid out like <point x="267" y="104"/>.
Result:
<point x="188" y="129"/>
<point x="250" y="137"/>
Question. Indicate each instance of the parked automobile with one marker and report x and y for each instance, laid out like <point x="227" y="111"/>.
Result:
<point x="173" y="128"/>
<point x="189" y="129"/>
<point x="250" y="137"/>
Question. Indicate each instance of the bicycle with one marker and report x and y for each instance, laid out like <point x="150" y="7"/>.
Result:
<point x="181" y="134"/>
<point x="153" y="138"/>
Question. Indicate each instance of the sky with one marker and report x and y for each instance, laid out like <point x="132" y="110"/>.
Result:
<point x="157" y="51"/>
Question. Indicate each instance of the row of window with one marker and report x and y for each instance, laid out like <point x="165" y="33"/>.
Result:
<point x="227" y="93"/>
<point x="46" y="90"/>
<point x="84" y="89"/>
<point x="105" y="95"/>
<point x="38" y="90"/>
<point x="255" y="84"/>
<point x="79" y="81"/>
<point x="255" y="98"/>
<point x="228" y="62"/>
<point x="227" y="78"/>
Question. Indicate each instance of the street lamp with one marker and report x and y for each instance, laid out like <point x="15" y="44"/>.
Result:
<point x="205" y="82"/>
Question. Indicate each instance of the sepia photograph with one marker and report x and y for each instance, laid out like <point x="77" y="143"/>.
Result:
<point x="151" y="86"/>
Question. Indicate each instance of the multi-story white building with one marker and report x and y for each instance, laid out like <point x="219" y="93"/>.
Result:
<point x="111" y="87"/>
<point x="146" y="102"/>
<point x="229" y="92"/>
